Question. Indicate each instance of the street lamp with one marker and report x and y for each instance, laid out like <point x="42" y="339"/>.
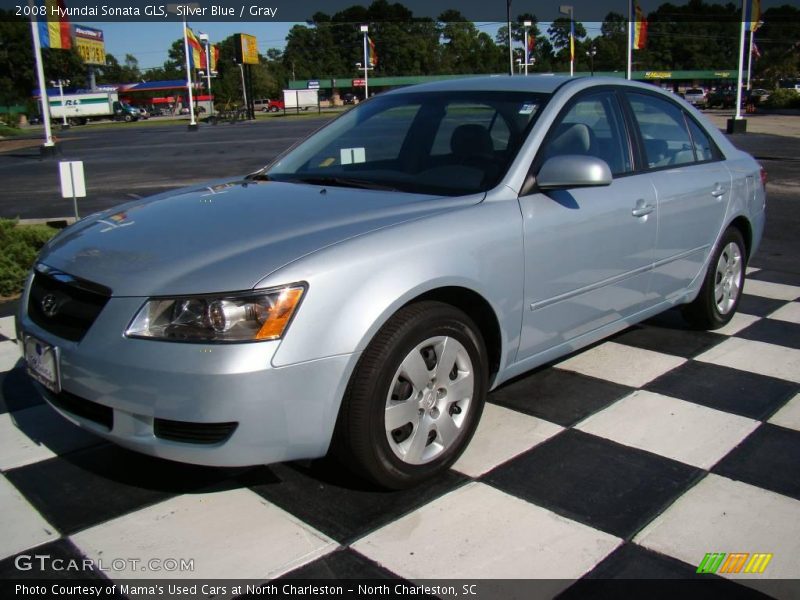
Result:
<point x="60" y="85"/>
<point x="566" y="9"/>
<point x="510" y="52"/>
<point x="527" y="25"/>
<point x="591" y="53"/>
<point x="365" y="31"/>
<point x="204" y="38"/>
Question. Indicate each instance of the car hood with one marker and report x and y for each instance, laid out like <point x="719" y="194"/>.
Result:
<point x="224" y="237"/>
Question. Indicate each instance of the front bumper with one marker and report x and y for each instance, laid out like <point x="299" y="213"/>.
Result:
<point x="283" y="413"/>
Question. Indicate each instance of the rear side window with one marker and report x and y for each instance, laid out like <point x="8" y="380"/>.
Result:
<point x="664" y="132"/>
<point x="703" y="146"/>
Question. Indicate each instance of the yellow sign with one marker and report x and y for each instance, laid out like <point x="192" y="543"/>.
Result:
<point x="658" y="75"/>
<point x="249" y="49"/>
<point x="90" y="45"/>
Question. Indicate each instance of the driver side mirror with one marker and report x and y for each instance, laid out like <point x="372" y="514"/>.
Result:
<point x="573" y="170"/>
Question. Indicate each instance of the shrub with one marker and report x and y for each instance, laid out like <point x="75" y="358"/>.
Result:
<point x="783" y="98"/>
<point x="19" y="245"/>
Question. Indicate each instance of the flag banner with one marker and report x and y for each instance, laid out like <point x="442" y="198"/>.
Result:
<point x="752" y="13"/>
<point x="531" y="43"/>
<point x="213" y="55"/>
<point x="54" y="31"/>
<point x="572" y="40"/>
<point x="196" y="58"/>
<point x="639" y="28"/>
<point x="756" y="51"/>
<point x="373" y="56"/>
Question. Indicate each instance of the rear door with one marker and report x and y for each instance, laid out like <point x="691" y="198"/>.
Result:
<point x="692" y="184"/>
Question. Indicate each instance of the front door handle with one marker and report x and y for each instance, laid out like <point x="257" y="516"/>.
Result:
<point x="642" y="209"/>
<point x="718" y="191"/>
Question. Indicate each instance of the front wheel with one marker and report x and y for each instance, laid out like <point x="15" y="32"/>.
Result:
<point x="719" y="297"/>
<point x="415" y="397"/>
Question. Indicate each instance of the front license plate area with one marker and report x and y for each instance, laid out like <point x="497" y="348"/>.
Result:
<point x="42" y="362"/>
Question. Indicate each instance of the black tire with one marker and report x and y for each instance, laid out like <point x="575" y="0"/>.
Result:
<point x="274" y="109"/>
<point x="703" y="312"/>
<point x="128" y="118"/>
<point x="361" y="440"/>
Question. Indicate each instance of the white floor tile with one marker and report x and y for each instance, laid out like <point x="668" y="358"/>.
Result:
<point x="9" y="355"/>
<point x="756" y="357"/>
<point x="38" y="433"/>
<point x="767" y="289"/>
<point x="21" y="524"/>
<point x="788" y="312"/>
<point x="233" y="534"/>
<point x="737" y="323"/>
<point x="480" y="532"/>
<point x="789" y="415"/>
<point x="680" y="430"/>
<point x="7" y="328"/>
<point x="721" y="515"/>
<point x="622" y="364"/>
<point x="501" y="435"/>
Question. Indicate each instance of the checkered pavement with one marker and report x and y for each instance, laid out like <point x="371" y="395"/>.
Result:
<point x="631" y="459"/>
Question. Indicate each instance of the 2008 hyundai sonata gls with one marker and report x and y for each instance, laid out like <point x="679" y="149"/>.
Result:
<point x="367" y="289"/>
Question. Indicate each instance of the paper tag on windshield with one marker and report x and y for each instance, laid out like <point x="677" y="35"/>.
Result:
<point x="527" y="109"/>
<point x="349" y="156"/>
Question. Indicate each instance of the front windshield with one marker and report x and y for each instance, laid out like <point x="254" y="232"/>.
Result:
<point x="448" y="143"/>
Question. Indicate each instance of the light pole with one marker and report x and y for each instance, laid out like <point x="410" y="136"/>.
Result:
<point x="519" y="66"/>
<point x="204" y="38"/>
<point x="591" y="53"/>
<point x="244" y="88"/>
<point x="527" y="25"/>
<point x="60" y="85"/>
<point x="566" y="9"/>
<point x="510" y="52"/>
<point x="365" y="31"/>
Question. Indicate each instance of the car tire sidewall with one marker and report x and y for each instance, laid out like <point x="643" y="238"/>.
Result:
<point x="703" y="311"/>
<point x="382" y="465"/>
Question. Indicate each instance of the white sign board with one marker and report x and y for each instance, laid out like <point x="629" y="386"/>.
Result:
<point x="73" y="185"/>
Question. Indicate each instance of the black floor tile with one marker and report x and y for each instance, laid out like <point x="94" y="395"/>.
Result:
<point x="558" y="396"/>
<point x="734" y="391"/>
<point x="598" y="482"/>
<point x="17" y="391"/>
<point x="773" y="331"/>
<point x="677" y="341"/>
<point x="758" y="305"/>
<point x="59" y="559"/>
<point x="332" y="500"/>
<point x="783" y="277"/>
<point x="768" y="458"/>
<point x="342" y="564"/>
<point x="91" y="486"/>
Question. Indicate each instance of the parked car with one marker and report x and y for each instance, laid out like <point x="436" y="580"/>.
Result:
<point x="267" y="105"/>
<point x="143" y="114"/>
<point x="364" y="291"/>
<point x="696" y="96"/>
<point x="348" y="98"/>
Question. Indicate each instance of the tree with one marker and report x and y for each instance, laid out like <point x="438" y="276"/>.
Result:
<point x="778" y="41"/>
<point x="113" y="72"/>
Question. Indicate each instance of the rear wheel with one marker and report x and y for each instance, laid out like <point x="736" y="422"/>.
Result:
<point x="415" y="397"/>
<point x="719" y="297"/>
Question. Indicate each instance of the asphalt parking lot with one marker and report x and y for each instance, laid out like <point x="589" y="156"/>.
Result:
<point x="630" y="460"/>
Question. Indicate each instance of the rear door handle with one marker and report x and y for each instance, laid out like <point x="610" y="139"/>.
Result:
<point x="718" y="191"/>
<point x="642" y="209"/>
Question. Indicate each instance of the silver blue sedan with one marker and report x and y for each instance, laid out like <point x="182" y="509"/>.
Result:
<point x="365" y="291"/>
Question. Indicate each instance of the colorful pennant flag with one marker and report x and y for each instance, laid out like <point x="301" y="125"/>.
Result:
<point x="196" y="58"/>
<point x="213" y="52"/>
<point x="531" y="43"/>
<point x="572" y="40"/>
<point x="54" y="30"/>
<point x="373" y="56"/>
<point x="639" y="28"/>
<point x="752" y="13"/>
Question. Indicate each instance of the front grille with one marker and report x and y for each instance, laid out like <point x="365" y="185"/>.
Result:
<point x="86" y="409"/>
<point x="64" y="305"/>
<point x="193" y="433"/>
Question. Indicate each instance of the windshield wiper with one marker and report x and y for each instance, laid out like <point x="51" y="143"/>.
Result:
<point x="259" y="176"/>
<point x="340" y="182"/>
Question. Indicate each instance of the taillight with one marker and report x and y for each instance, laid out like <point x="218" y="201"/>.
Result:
<point x="763" y="176"/>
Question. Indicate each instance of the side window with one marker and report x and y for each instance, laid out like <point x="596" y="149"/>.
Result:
<point x="703" y="146"/>
<point x="663" y="128"/>
<point x="593" y="127"/>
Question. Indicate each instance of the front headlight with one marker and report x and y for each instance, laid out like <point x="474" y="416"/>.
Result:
<point x="246" y="316"/>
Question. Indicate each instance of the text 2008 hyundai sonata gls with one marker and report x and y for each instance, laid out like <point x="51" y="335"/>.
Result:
<point x="367" y="289"/>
